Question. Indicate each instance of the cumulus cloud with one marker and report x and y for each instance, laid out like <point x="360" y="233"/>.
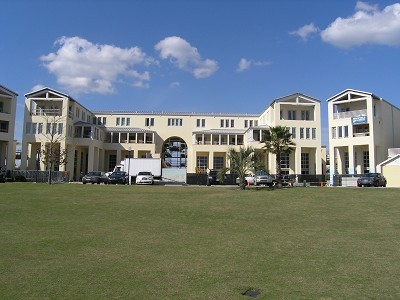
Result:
<point x="37" y="87"/>
<point x="174" y="84"/>
<point x="83" y="67"/>
<point x="245" y="64"/>
<point x="305" y="31"/>
<point x="186" y="57"/>
<point x="368" y="25"/>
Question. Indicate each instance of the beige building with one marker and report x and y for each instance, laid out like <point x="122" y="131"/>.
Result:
<point x="362" y="127"/>
<point x="98" y="140"/>
<point x="8" y="104"/>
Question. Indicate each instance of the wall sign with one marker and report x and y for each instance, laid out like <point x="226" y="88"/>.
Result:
<point x="359" y="120"/>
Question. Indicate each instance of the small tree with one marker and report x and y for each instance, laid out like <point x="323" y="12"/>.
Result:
<point x="51" y="152"/>
<point x="278" y="140"/>
<point x="241" y="162"/>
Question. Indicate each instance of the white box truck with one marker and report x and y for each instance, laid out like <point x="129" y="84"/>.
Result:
<point x="135" y="165"/>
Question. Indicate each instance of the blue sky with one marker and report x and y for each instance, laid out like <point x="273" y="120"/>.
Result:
<point x="202" y="56"/>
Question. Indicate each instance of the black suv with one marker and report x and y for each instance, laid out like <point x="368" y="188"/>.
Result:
<point x="212" y="177"/>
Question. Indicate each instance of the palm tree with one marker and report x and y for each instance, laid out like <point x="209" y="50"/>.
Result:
<point x="278" y="140"/>
<point x="241" y="162"/>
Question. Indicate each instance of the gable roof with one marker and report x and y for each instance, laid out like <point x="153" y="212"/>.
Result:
<point x="8" y="91"/>
<point x="346" y="91"/>
<point x="291" y="96"/>
<point x="40" y="91"/>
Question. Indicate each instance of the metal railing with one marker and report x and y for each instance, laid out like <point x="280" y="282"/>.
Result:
<point x="349" y="114"/>
<point x="46" y="112"/>
<point x="37" y="176"/>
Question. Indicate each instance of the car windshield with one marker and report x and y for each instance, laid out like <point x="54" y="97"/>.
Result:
<point x="144" y="173"/>
<point x="261" y="173"/>
<point x="93" y="174"/>
<point x="118" y="174"/>
<point x="370" y="175"/>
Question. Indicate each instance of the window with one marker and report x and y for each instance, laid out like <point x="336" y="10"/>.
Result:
<point x="294" y="132"/>
<point x="346" y="131"/>
<point x="340" y="132"/>
<point x="34" y="128"/>
<point x="281" y="114"/>
<point x="202" y="162"/>
<point x="77" y="112"/>
<point x="89" y="119"/>
<point x="218" y="163"/>
<point x="60" y="128"/>
<point x="227" y="122"/>
<point x="314" y="133"/>
<point x="307" y="133"/>
<point x="334" y="132"/>
<point x="201" y="122"/>
<point x="346" y="162"/>
<point x="83" y="116"/>
<point x="1" y="107"/>
<point x="40" y="128"/>
<point x="122" y="121"/>
<point x="149" y="122"/>
<point x="366" y="161"/>
<point x="48" y="128"/>
<point x="251" y="123"/>
<point x="28" y="127"/>
<point x="246" y="123"/>
<point x="128" y="121"/>
<point x="302" y="133"/>
<point x="305" y="115"/>
<point x="112" y="161"/>
<point x="104" y="120"/>
<point x="285" y="160"/>
<point x="174" y="122"/>
<point x="292" y="115"/>
<point x="117" y="121"/>
<point x="305" y="163"/>
<point x="256" y="123"/>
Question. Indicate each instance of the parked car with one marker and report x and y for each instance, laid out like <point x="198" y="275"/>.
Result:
<point x="95" y="177"/>
<point x="263" y="178"/>
<point x="212" y="177"/>
<point x="119" y="177"/>
<point x="371" y="179"/>
<point x="144" y="178"/>
<point x="248" y="179"/>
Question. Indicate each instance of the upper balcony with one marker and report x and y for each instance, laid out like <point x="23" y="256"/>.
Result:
<point x="349" y="114"/>
<point x="46" y="112"/>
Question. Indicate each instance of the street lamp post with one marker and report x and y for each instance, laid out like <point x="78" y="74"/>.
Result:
<point x="129" y="164"/>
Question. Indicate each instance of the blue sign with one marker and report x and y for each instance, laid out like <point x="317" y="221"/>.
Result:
<point x="359" y="120"/>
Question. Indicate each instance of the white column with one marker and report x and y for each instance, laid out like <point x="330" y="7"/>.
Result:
<point x="318" y="161"/>
<point x="297" y="162"/>
<point x="372" y="158"/>
<point x="91" y="158"/>
<point x="351" y="159"/>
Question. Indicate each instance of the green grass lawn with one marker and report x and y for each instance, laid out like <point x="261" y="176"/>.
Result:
<point x="71" y="241"/>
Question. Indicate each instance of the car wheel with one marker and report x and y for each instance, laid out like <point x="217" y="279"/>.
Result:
<point x="84" y="182"/>
<point x="359" y="185"/>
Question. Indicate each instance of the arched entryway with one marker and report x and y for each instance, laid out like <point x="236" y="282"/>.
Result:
<point x="174" y="159"/>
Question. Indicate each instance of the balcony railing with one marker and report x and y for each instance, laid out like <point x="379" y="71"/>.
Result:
<point x="349" y="114"/>
<point x="46" y="112"/>
<point x="360" y="134"/>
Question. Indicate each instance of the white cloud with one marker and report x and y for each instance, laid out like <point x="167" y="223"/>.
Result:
<point x="37" y="87"/>
<point x="245" y="64"/>
<point x="83" y="67"/>
<point x="174" y="84"/>
<point x="305" y="31"/>
<point x="368" y="25"/>
<point x="186" y="57"/>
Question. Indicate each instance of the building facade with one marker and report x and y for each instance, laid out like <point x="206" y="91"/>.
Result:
<point x="8" y="105"/>
<point x="99" y="140"/>
<point x="362" y="128"/>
